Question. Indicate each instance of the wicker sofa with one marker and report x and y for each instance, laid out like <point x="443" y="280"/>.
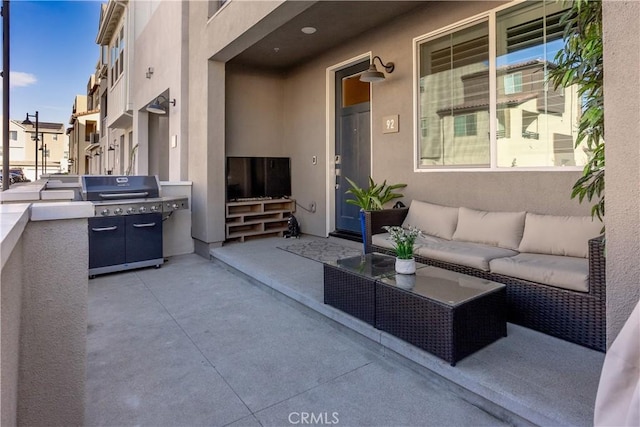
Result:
<point x="553" y="266"/>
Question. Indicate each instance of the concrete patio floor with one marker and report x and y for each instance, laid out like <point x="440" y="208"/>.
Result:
<point x="246" y="340"/>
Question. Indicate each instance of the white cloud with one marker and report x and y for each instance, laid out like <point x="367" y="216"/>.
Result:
<point x="20" y="79"/>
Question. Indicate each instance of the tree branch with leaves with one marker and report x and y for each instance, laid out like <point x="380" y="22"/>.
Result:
<point x="579" y="63"/>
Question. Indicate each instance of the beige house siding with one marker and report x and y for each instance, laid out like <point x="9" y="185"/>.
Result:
<point x="23" y="150"/>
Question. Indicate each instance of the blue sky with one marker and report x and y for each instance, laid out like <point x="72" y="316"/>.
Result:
<point x="53" y="53"/>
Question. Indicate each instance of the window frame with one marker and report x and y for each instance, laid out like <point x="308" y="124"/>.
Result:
<point x="117" y="56"/>
<point x="490" y="17"/>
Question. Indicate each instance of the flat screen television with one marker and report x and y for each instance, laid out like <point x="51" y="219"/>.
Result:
<point x="258" y="177"/>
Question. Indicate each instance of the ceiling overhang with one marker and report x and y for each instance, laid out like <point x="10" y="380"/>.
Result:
<point x="109" y="20"/>
<point x="335" y="22"/>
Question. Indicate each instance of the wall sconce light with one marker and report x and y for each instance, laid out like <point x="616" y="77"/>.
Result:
<point x="373" y="75"/>
<point x="149" y="72"/>
<point x="157" y="105"/>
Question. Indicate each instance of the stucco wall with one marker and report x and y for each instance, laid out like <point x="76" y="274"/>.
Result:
<point x="622" y="119"/>
<point x="53" y="323"/>
<point x="159" y="45"/>
<point x="305" y="135"/>
<point x="10" y="309"/>
<point x="255" y="113"/>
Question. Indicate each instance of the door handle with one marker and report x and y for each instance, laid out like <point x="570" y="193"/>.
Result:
<point x="99" y="229"/>
<point x="148" y="224"/>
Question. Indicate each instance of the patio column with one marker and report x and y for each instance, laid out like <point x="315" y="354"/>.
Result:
<point x="622" y="109"/>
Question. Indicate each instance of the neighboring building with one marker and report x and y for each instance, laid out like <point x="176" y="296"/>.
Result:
<point x="536" y="125"/>
<point x="84" y="134"/>
<point x="51" y="149"/>
<point x="115" y="31"/>
<point x="250" y="78"/>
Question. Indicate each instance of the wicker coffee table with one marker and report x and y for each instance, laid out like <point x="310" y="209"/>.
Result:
<point x="448" y="314"/>
<point x="349" y="284"/>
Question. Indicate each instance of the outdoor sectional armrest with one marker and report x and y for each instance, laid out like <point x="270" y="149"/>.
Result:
<point x="597" y="268"/>
<point x="375" y="220"/>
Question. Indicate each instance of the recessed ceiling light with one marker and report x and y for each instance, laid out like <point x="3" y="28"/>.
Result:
<point x="308" y="30"/>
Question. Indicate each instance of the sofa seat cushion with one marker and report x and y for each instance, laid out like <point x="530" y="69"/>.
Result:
<point x="433" y="220"/>
<point x="502" y="229"/>
<point x="463" y="253"/>
<point x="559" y="235"/>
<point x="553" y="270"/>
<point x="383" y="240"/>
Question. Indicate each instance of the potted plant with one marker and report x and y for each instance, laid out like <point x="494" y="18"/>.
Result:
<point x="404" y="240"/>
<point x="372" y="198"/>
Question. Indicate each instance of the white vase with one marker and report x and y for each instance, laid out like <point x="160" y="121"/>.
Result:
<point x="405" y="266"/>
<point x="405" y="281"/>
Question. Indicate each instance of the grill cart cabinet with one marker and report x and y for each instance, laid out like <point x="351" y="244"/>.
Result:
<point x="124" y="242"/>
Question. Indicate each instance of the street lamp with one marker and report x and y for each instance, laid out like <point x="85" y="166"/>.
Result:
<point x="43" y="148"/>
<point x="29" y="122"/>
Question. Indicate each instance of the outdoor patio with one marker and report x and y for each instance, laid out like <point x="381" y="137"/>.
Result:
<point x="246" y="339"/>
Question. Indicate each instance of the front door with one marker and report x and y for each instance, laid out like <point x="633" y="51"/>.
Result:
<point x="353" y="142"/>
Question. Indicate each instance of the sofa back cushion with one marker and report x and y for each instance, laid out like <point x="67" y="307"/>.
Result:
<point x="559" y="235"/>
<point x="502" y="229"/>
<point x="435" y="220"/>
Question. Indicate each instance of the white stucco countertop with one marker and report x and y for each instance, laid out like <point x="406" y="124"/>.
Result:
<point x="14" y="218"/>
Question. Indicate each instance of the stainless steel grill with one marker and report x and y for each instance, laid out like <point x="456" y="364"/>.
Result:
<point x="126" y="230"/>
<point x="128" y="195"/>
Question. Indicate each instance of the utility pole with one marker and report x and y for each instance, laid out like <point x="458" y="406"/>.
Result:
<point x="5" y="95"/>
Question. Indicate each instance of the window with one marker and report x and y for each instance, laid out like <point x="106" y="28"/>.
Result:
<point x="117" y="57"/>
<point x="465" y="125"/>
<point x="13" y="135"/>
<point x="513" y="83"/>
<point x="454" y="99"/>
<point x="533" y="124"/>
<point x="55" y="137"/>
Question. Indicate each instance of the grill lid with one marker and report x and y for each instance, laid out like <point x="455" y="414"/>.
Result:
<point x="111" y="187"/>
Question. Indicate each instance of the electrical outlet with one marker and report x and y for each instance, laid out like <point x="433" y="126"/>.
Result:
<point x="312" y="206"/>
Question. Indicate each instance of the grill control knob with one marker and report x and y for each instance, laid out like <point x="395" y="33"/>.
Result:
<point x="154" y="208"/>
<point x="130" y="210"/>
<point x="142" y="209"/>
<point x="104" y="212"/>
<point x="175" y="206"/>
<point x="117" y="211"/>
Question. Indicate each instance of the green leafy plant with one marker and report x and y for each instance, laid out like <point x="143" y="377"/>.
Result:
<point x="375" y="196"/>
<point x="579" y="62"/>
<point x="404" y="240"/>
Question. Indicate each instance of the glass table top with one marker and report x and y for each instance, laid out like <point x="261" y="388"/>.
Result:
<point x="372" y="265"/>
<point x="444" y="286"/>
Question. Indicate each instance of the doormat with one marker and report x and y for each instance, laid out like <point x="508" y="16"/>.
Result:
<point x="321" y="250"/>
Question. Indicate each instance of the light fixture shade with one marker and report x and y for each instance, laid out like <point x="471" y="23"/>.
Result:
<point x="372" y="75"/>
<point x="156" y="108"/>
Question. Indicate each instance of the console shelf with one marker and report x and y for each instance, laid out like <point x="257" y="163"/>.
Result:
<point x="257" y="218"/>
